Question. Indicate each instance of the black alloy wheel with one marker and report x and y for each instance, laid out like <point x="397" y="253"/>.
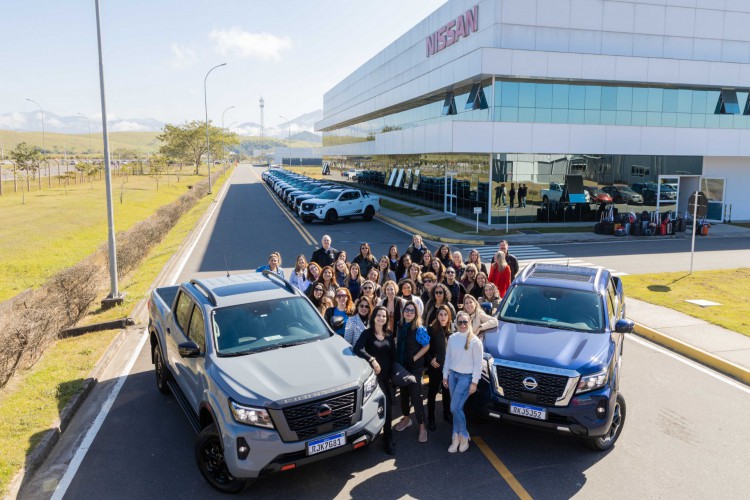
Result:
<point x="369" y="213"/>
<point x="161" y="372"/>
<point x="331" y="217"/>
<point x="608" y="440"/>
<point x="210" y="457"/>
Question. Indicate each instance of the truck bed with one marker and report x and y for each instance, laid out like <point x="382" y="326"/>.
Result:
<point x="167" y="295"/>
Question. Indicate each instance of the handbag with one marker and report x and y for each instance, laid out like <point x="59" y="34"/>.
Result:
<point x="401" y="377"/>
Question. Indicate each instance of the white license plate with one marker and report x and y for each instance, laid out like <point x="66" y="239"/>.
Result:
<point x="528" y="411"/>
<point x="326" y="443"/>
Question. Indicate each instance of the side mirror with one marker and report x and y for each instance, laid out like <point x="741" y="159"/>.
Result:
<point x="189" y="349"/>
<point x="486" y="307"/>
<point x="624" y="326"/>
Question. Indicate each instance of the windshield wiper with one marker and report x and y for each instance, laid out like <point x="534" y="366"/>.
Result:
<point x="298" y="342"/>
<point x="249" y="351"/>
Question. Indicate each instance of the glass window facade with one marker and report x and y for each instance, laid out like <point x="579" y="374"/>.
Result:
<point x="580" y="103"/>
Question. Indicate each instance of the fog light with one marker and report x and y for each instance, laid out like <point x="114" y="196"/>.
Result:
<point x="243" y="449"/>
<point x="601" y="408"/>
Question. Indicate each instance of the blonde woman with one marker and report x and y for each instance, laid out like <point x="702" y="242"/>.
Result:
<point x="476" y="259"/>
<point x="461" y="372"/>
<point x="480" y="320"/>
<point x="299" y="275"/>
<point x="392" y="303"/>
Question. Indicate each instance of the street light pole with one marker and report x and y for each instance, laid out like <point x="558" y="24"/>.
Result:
<point x="43" y="147"/>
<point x="288" y="140"/>
<point x="205" y="103"/>
<point x="114" y="297"/>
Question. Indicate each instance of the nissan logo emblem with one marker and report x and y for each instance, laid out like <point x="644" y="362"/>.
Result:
<point x="324" y="411"/>
<point x="530" y="383"/>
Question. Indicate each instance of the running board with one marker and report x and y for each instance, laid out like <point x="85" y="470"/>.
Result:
<point x="185" y="406"/>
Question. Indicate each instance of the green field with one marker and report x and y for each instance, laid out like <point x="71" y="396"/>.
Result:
<point x="54" y="230"/>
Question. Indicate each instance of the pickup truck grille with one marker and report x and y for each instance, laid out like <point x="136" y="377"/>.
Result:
<point x="304" y="420"/>
<point x="549" y="387"/>
<point x="308" y="207"/>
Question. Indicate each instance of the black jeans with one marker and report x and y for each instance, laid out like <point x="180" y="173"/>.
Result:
<point x="413" y="392"/>
<point x="385" y="386"/>
<point x="436" y="381"/>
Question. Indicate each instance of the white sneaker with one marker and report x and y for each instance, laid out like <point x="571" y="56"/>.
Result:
<point x="454" y="444"/>
<point x="403" y="424"/>
<point x="463" y="444"/>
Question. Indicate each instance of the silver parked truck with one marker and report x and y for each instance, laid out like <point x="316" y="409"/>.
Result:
<point x="265" y="383"/>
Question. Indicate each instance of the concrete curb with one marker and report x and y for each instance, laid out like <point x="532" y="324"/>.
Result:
<point x="42" y="449"/>
<point x="696" y="354"/>
<point x="425" y="236"/>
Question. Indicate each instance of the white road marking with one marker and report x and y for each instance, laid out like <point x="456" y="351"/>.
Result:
<point x="693" y="364"/>
<point x="83" y="448"/>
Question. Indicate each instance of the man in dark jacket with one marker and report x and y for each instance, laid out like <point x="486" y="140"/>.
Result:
<point x="417" y="250"/>
<point x="510" y="259"/>
<point x="326" y="255"/>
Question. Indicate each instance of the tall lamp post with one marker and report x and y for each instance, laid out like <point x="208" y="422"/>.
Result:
<point x="43" y="147"/>
<point x="288" y="140"/>
<point x="208" y="144"/>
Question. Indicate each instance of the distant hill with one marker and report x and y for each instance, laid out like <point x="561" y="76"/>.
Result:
<point x="308" y="136"/>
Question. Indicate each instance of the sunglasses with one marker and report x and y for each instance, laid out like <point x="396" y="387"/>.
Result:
<point x="439" y="292"/>
<point x="410" y="310"/>
<point x="450" y="272"/>
<point x="462" y="322"/>
<point x="427" y="281"/>
<point x="367" y="288"/>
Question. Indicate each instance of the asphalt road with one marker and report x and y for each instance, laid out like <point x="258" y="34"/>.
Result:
<point x="686" y="432"/>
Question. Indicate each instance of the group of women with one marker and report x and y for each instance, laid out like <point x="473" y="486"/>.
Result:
<point x="410" y="314"/>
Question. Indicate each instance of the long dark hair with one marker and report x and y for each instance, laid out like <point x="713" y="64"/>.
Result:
<point x="436" y="326"/>
<point x="417" y="319"/>
<point x="374" y="313"/>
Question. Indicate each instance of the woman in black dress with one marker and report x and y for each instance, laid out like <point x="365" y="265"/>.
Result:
<point x="378" y="347"/>
<point x="440" y="329"/>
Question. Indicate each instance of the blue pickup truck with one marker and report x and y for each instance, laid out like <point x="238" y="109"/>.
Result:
<point x="263" y="380"/>
<point x="554" y="361"/>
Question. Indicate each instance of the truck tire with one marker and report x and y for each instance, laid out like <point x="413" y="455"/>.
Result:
<point x="160" y="369"/>
<point x="606" y="441"/>
<point x="369" y="213"/>
<point x="210" y="457"/>
<point x="331" y="216"/>
<point x="306" y="220"/>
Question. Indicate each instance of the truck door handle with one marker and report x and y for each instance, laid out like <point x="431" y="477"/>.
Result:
<point x="169" y="332"/>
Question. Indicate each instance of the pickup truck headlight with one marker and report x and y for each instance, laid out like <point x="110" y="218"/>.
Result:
<point x="370" y="385"/>
<point x="249" y="415"/>
<point x="592" y="382"/>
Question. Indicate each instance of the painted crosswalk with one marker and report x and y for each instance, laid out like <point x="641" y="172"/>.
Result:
<point x="527" y="254"/>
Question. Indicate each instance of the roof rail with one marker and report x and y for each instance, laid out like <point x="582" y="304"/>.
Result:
<point x="205" y="290"/>
<point x="527" y="270"/>
<point x="278" y="279"/>
<point x="598" y="276"/>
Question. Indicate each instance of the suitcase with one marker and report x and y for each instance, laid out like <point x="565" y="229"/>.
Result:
<point x="637" y="229"/>
<point x="598" y="228"/>
<point x="681" y="225"/>
<point x="663" y="229"/>
<point x="608" y="227"/>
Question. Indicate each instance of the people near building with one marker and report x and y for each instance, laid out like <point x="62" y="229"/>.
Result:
<point x="480" y="321"/>
<point x="455" y="287"/>
<point x="365" y="259"/>
<point x="299" y="275"/>
<point x="274" y="265"/>
<point x="417" y="249"/>
<point x="512" y="195"/>
<point x="377" y="345"/>
<point x="343" y="308"/>
<point x="326" y="255"/>
<point x="359" y="320"/>
<point x="523" y="191"/>
<point x="461" y="372"/>
<point x="500" y="273"/>
<point x="412" y="344"/>
<point x="439" y="329"/>
<point x="354" y="280"/>
<point x="500" y="192"/>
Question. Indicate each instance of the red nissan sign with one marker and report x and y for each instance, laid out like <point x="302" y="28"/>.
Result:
<point x="452" y="31"/>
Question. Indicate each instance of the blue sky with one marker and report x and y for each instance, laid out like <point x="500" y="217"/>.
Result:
<point x="157" y="53"/>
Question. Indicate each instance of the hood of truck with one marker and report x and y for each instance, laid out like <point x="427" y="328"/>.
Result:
<point x="580" y="351"/>
<point x="269" y="377"/>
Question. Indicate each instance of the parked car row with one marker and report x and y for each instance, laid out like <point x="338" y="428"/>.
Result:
<point x="313" y="199"/>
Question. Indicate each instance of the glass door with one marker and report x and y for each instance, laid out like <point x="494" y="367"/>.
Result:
<point x="450" y="203"/>
<point x="714" y="190"/>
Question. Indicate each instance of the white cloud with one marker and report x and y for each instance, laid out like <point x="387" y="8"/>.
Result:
<point x="127" y="126"/>
<point x="260" y="45"/>
<point x="181" y="56"/>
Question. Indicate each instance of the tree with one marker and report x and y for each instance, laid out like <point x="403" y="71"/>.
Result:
<point x="187" y="142"/>
<point x="27" y="159"/>
<point x="157" y="167"/>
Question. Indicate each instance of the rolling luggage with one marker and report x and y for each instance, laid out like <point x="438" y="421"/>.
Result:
<point x="637" y="229"/>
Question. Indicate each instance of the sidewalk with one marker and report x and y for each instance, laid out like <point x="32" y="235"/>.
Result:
<point x="721" y="349"/>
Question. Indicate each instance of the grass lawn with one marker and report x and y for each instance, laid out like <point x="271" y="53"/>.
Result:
<point x="723" y="286"/>
<point x="404" y="209"/>
<point x="31" y="401"/>
<point x="54" y="230"/>
<point x="465" y="228"/>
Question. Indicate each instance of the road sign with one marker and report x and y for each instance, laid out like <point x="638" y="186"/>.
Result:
<point x="477" y="210"/>
<point x="702" y="204"/>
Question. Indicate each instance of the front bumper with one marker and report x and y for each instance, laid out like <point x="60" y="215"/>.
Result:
<point x="268" y="453"/>
<point x="318" y="213"/>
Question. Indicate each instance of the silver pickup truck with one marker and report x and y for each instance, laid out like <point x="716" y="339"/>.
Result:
<point x="263" y="380"/>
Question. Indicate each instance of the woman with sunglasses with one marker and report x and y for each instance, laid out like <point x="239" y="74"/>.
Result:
<point x="469" y="279"/>
<point x="365" y="259"/>
<point x="343" y="308"/>
<point x="440" y="296"/>
<point x="428" y="284"/>
<point x="299" y="275"/>
<point x="378" y="347"/>
<point x="326" y="279"/>
<point x="412" y="343"/>
<point x="316" y="292"/>
<point x="374" y="277"/>
<point x="386" y="273"/>
<point x="461" y="372"/>
<point x="369" y="290"/>
<point x="480" y="320"/>
<point x="440" y="329"/>
<point x="359" y="321"/>
<point x="354" y="280"/>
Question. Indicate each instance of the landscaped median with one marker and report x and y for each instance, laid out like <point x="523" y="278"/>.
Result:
<point x="32" y="401"/>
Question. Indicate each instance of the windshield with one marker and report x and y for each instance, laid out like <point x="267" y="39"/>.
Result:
<point x="261" y="326"/>
<point x="553" y="307"/>
<point x="330" y="195"/>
